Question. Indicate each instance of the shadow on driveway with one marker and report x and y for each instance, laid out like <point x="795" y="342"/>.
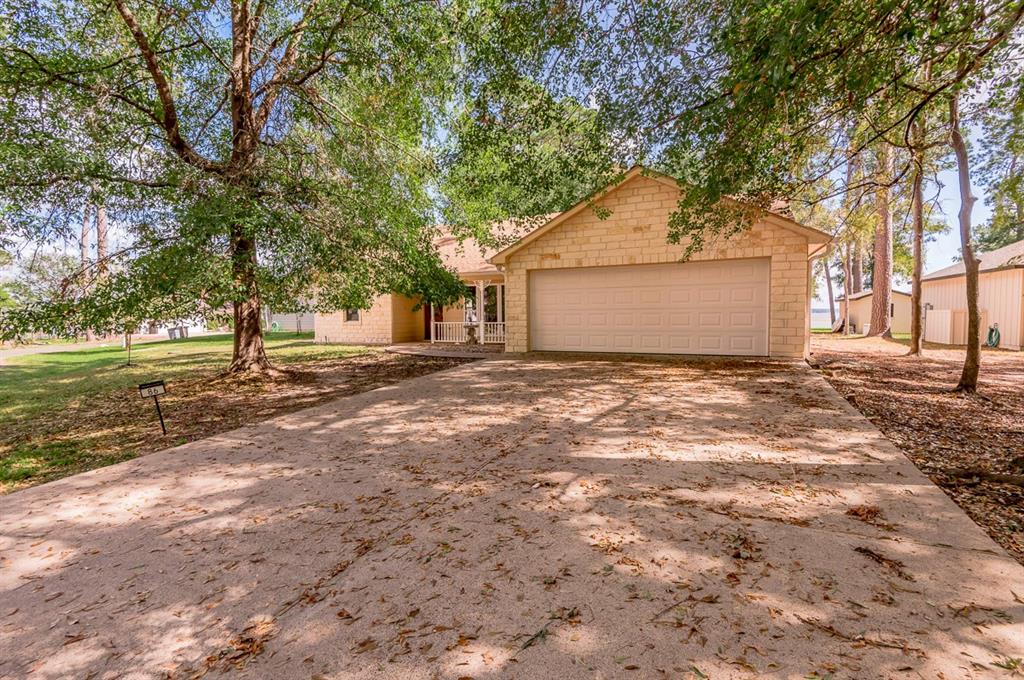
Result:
<point x="566" y="517"/>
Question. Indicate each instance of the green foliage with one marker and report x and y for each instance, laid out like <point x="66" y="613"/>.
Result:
<point x="1002" y="169"/>
<point x="754" y="100"/>
<point x="302" y="157"/>
<point x="521" y="152"/>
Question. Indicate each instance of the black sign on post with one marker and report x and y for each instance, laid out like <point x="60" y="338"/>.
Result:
<point x="155" y="389"/>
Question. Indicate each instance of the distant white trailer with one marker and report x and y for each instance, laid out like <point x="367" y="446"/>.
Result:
<point x="175" y="330"/>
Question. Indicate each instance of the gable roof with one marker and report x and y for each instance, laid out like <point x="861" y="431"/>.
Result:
<point x="1007" y="257"/>
<point x="812" y="235"/>
<point x="867" y="292"/>
<point x="465" y="257"/>
<point x="469" y="256"/>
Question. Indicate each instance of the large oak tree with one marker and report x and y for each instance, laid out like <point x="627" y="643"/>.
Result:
<point x="248" y="151"/>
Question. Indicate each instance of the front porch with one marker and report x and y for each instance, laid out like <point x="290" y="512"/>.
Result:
<point x="480" y="319"/>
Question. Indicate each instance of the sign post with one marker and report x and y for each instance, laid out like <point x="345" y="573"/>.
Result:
<point x="155" y="389"/>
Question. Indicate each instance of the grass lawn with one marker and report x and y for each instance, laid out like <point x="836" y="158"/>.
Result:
<point x="66" y="412"/>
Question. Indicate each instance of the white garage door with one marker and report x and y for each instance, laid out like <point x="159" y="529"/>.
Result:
<point x="717" y="307"/>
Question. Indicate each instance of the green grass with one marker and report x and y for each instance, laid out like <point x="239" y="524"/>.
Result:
<point x="35" y="391"/>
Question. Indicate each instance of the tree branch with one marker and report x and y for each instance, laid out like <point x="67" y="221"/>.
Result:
<point x="169" y="119"/>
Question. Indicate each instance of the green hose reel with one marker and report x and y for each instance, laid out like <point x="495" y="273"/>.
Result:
<point x="993" y="336"/>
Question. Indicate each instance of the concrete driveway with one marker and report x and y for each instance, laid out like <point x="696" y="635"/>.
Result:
<point x="540" y="518"/>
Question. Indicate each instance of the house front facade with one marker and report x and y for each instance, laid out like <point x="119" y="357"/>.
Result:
<point x="581" y="282"/>
<point x="395" y="318"/>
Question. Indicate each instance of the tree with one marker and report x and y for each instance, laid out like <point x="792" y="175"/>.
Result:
<point x="917" y="198"/>
<point x="42" y="276"/>
<point x="736" y="111"/>
<point x="267" y="152"/>
<point x="972" y="365"/>
<point x="1002" y="124"/>
<point x="84" y="255"/>
<point x="881" y="272"/>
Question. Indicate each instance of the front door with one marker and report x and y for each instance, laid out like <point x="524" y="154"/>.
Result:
<point x="438" y="316"/>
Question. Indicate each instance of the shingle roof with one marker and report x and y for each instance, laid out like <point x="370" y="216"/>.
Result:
<point x="469" y="256"/>
<point x="1001" y="258"/>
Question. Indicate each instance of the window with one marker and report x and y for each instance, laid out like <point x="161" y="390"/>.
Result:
<point x="491" y="303"/>
<point x="892" y="310"/>
<point x="351" y="315"/>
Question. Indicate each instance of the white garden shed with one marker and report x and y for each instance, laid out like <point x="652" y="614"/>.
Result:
<point x="1000" y="298"/>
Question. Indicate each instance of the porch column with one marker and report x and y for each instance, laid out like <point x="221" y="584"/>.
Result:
<point x="500" y="292"/>
<point x="480" y="288"/>
<point x="431" y="323"/>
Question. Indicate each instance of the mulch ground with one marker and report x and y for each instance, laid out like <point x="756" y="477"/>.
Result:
<point x="118" y="425"/>
<point x="911" y="401"/>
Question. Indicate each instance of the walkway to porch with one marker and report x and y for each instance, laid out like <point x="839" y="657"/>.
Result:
<point x="463" y="351"/>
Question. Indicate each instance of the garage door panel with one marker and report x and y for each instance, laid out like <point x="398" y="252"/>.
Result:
<point x="710" y="295"/>
<point x="741" y="295"/>
<point x="741" y="344"/>
<point x="680" y="296"/>
<point x="700" y="307"/>
<point x="741" y="320"/>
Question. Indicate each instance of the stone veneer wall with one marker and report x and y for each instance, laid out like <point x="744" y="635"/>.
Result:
<point x="373" y="327"/>
<point x="636" y="233"/>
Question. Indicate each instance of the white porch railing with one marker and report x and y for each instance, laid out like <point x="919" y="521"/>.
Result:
<point x="494" y="331"/>
<point x="450" y="331"/>
<point x="455" y="331"/>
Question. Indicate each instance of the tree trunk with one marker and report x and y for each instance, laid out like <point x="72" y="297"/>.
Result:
<point x="249" y="353"/>
<point x="881" y="273"/>
<point x="972" y="363"/>
<point x="916" y="312"/>
<point x="828" y="285"/>
<point x="857" y="268"/>
<point x="83" y="259"/>
<point x="847" y="260"/>
<point x="101" y="240"/>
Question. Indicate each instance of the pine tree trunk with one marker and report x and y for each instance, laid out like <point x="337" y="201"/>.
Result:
<point x="101" y="240"/>
<point x="972" y="363"/>
<point x="84" y="261"/>
<point x="881" y="276"/>
<point x="916" y="312"/>
<point x="828" y="286"/>
<point x="249" y="353"/>
<point x="847" y="260"/>
<point x="857" y="268"/>
<point x="855" y="260"/>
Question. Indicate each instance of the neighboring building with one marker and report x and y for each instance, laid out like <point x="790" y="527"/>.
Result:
<point x="1000" y="298"/>
<point x="175" y="330"/>
<point x="860" y="311"/>
<point x="583" y="284"/>
<point x="292" y="323"/>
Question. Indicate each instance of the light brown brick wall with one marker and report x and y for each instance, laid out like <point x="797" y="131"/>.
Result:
<point x="636" y="233"/>
<point x="373" y="327"/>
<point x="406" y="323"/>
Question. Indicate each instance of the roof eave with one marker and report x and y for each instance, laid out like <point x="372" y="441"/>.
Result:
<point x="980" y="272"/>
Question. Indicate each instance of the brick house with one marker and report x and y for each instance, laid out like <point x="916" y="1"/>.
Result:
<point x="580" y="283"/>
